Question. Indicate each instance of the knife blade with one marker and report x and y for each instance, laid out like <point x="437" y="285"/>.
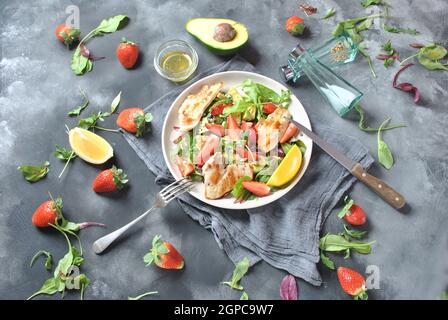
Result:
<point x="386" y="192"/>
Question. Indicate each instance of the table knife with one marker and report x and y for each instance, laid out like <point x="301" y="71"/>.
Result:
<point x="386" y="192"/>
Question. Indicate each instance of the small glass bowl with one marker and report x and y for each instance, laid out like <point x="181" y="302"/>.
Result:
<point x="176" y="45"/>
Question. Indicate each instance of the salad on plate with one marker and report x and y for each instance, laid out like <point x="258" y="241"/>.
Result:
<point x="239" y="142"/>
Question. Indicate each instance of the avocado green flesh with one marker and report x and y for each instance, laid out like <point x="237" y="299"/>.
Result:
<point x="204" y="28"/>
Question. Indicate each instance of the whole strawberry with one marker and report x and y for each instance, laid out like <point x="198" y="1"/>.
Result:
<point x="67" y="35"/>
<point x="164" y="255"/>
<point x="295" y="25"/>
<point x="127" y="53"/>
<point x="352" y="283"/>
<point x="47" y="213"/>
<point x="109" y="180"/>
<point x="352" y="213"/>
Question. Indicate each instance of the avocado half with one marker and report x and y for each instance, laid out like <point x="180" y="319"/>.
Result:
<point x="203" y="29"/>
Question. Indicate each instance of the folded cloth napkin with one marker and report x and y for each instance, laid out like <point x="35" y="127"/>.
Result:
<point x="284" y="233"/>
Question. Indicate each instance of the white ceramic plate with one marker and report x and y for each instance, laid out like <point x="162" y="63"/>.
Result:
<point x="232" y="79"/>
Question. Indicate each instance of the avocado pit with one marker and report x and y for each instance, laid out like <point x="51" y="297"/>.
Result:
<point x="224" y="32"/>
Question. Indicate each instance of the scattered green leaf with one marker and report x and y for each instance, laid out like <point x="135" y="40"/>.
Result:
<point x="362" y="126"/>
<point x="384" y="154"/>
<point x="241" y="269"/>
<point x="34" y="173"/>
<point x="143" y="295"/>
<point x="337" y="243"/>
<point x="78" y="110"/>
<point x="367" y="3"/>
<point x="48" y="260"/>
<point x="244" y="296"/>
<point x="326" y="261"/>
<point x="330" y="12"/>
<point x="392" y="29"/>
<point x="115" y="103"/>
<point x="355" y="234"/>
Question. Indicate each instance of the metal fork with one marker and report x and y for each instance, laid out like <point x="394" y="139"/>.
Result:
<point x="164" y="197"/>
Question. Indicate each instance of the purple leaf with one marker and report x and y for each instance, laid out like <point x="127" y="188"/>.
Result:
<point x="383" y="56"/>
<point x="288" y="288"/>
<point x="406" y="86"/>
<point x="85" y="52"/>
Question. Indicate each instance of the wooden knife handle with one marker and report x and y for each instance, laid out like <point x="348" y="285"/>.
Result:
<point x="388" y="194"/>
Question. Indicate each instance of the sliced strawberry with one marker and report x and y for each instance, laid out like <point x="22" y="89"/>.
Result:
<point x="259" y="189"/>
<point x="208" y="149"/>
<point x="352" y="283"/>
<point x="216" y="129"/>
<point x="244" y="153"/>
<point x="290" y="132"/>
<point x="219" y="108"/>
<point x="246" y="125"/>
<point x="186" y="168"/>
<point x="268" y="107"/>
<point x="233" y="128"/>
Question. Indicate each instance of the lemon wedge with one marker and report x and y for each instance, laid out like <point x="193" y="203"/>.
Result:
<point x="287" y="169"/>
<point x="90" y="146"/>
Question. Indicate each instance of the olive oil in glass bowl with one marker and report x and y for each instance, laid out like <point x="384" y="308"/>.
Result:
<point x="176" y="60"/>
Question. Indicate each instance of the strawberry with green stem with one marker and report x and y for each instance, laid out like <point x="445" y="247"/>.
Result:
<point x="164" y="255"/>
<point x="110" y="180"/>
<point x="134" y="120"/>
<point x="352" y="213"/>
<point x="50" y="213"/>
<point x="67" y="34"/>
<point x="353" y="283"/>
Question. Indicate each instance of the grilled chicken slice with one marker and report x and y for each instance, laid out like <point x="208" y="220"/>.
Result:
<point x="219" y="179"/>
<point x="191" y="110"/>
<point x="271" y="129"/>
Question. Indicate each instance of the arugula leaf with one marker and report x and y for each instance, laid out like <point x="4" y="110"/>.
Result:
<point x="49" y="288"/>
<point x="392" y="29"/>
<point x="48" y="261"/>
<point x="326" y="261"/>
<point x="362" y="49"/>
<point x="241" y="269"/>
<point x="35" y="173"/>
<point x="355" y="234"/>
<point x="362" y="126"/>
<point x="80" y="64"/>
<point x="111" y="25"/>
<point x="115" y="103"/>
<point x="337" y="243"/>
<point x="143" y="295"/>
<point x="367" y="3"/>
<point x="429" y="56"/>
<point x="287" y="146"/>
<point x="330" y="12"/>
<point x="77" y="111"/>
<point x="244" y="296"/>
<point x="264" y="174"/>
<point x="384" y="154"/>
<point x="240" y="105"/>
<point x="238" y="192"/>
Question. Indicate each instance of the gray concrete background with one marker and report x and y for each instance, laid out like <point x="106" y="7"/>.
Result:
<point x="38" y="88"/>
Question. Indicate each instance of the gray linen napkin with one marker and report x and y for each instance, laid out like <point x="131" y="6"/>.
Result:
<point x="285" y="233"/>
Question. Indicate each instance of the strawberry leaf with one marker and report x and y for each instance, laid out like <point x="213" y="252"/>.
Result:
<point x="348" y="204"/>
<point x="120" y="178"/>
